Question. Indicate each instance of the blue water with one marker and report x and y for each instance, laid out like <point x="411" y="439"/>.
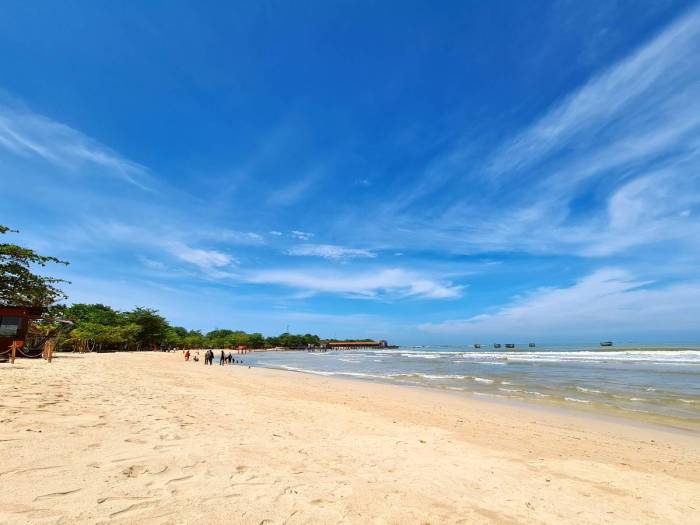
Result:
<point x="649" y="382"/>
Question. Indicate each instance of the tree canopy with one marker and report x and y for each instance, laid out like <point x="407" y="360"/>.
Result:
<point x="104" y="328"/>
<point x="19" y="285"/>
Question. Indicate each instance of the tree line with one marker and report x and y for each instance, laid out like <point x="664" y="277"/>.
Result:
<point x="103" y="328"/>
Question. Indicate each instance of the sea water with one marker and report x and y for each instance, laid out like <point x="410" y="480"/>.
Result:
<point x="660" y="383"/>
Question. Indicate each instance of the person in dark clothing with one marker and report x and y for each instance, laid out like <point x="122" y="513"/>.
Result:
<point x="222" y="358"/>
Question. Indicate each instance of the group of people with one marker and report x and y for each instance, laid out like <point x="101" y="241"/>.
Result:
<point x="209" y="357"/>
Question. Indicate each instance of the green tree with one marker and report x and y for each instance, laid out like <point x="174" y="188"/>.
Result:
<point x="19" y="285"/>
<point x="176" y="336"/>
<point x="154" y="327"/>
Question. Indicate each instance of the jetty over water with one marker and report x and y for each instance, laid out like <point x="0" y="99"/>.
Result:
<point x="356" y="344"/>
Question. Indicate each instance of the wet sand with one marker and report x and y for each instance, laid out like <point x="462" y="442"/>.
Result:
<point x="148" y="438"/>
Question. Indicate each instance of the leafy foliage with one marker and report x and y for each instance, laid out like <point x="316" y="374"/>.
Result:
<point x="19" y="285"/>
<point x="142" y="329"/>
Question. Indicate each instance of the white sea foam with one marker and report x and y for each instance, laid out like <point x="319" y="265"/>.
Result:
<point x="592" y="390"/>
<point x="307" y="371"/>
<point x="657" y="356"/>
<point x="536" y="393"/>
<point x="483" y="380"/>
<point x="362" y="374"/>
<point x="429" y="376"/>
<point x="482" y="394"/>
<point x="575" y="400"/>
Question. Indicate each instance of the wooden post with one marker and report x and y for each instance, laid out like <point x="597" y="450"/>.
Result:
<point x="13" y="352"/>
<point x="48" y="350"/>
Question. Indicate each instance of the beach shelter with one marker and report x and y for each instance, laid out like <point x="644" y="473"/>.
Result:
<point x="14" y="325"/>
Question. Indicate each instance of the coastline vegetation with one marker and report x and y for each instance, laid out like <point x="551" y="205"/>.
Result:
<point x="102" y="328"/>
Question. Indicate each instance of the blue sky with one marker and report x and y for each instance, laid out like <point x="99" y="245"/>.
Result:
<point x="447" y="173"/>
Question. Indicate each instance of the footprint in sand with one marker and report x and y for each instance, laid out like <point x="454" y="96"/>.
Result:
<point x="56" y="494"/>
<point x="176" y="480"/>
<point x="133" y="507"/>
<point x="134" y="471"/>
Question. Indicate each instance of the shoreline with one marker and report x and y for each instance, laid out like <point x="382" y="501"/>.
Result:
<point x="149" y="438"/>
<point x="658" y="423"/>
<point x="591" y="408"/>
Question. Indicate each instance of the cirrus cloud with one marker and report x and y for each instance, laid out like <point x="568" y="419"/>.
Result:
<point x="389" y="282"/>
<point x="606" y="303"/>
<point x="329" y="251"/>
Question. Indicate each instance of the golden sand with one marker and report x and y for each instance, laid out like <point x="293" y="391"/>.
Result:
<point x="148" y="438"/>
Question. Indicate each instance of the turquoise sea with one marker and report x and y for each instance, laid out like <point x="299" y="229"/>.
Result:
<point x="657" y="383"/>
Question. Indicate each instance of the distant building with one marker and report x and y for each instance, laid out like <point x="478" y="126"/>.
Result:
<point x="357" y="344"/>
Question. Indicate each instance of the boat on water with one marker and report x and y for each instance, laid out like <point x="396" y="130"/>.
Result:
<point x="477" y="345"/>
<point x="531" y="345"/>
<point x="510" y="345"/>
<point x="606" y="343"/>
<point x="497" y="345"/>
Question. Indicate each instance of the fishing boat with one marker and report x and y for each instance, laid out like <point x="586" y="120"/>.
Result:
<point x="497" y="345"/>
<point x="510" y="345"/>
<point x="606" y="343"/>
<point x="531" y="345"/>
<point x="477" y="345"/>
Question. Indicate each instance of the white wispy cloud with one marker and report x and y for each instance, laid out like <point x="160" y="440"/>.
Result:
<point x="394" y="282"/>
<point x="245" y="238"/>
<point x="211" y="262"/>
<point x="205" y="259"/>
<point x="295" y="190"/>
<point x="632" y="133"/>
<point x="608" y="303"/>
<point x="28" y="134"/>
<point x="152" y="263"/>
<point x="558" y="185"/>
<point x="659" y="77"/>
<point x="329" y="251"/>
<point x="300" y="235"/>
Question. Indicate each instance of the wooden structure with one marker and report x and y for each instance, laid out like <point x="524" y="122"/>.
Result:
<point x="357" y="344"/>
<point x="14" y="324"/>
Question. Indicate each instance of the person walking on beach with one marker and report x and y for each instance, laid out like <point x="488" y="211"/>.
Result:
<point x="222" y="358"/>
<point x="187" y="355"/>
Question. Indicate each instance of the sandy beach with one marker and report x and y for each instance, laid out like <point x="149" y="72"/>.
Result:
<point x="148" y="438"/>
